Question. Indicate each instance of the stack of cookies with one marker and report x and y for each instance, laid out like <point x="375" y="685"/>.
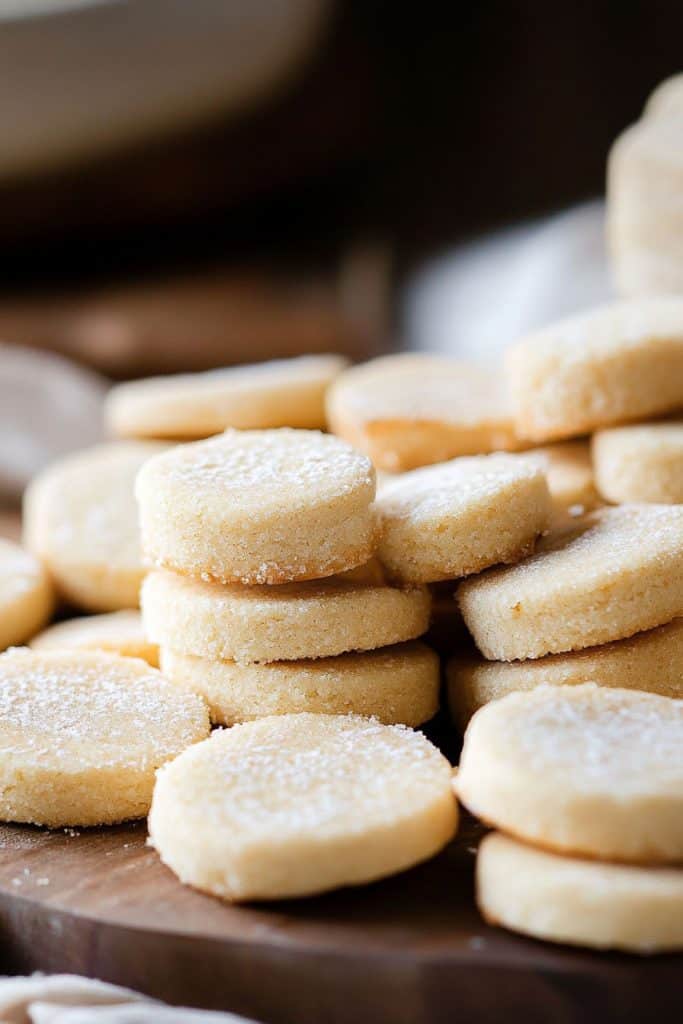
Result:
<point x="585" y="786"/>
<point x="264" y="598"/>
<point x="601" y="597"/>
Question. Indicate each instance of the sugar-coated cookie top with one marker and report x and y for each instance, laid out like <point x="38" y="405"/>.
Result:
<point x="601" y="333"/>
<point x="83" y="505"/>
<point x="421" y="387"/>
<point x="257" y="471"/>
<point x="588" y="738"/>
<point x="457" y="485"/>
<point x="20" y="572"/>
<point x="307" y="775"/>
<point x="589" y="552"/>
<point x="84" y="710"/>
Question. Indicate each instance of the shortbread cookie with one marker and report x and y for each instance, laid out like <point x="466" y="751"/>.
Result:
<point x="116" y="632"/>
<point x="457" y="518"/>
<point x="581" y="769"/>
<point x="581" y="902"/>
<point x="613" y="364"/>
<point x="644" y="213"/>
<point x="650" y="661"/>
<point x="82" y="734"/>
<point x="667" y="99"/>
<point x="640" y="463"/>
<point x="281" y="393"/>
<point x="259" y="506"/>
<point x="80" y="518"/>
<point x="398" y="685"/>
<point x="26" y="598"/>
<point x="299" y="804"/>
<point x="411" y="410"/>
<point x="296" y="620"/>
<point x="569" y="474"/>
<point x="608" y="575"/>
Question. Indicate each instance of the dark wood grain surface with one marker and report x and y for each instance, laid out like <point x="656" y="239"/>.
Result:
<point x="409" y="950"/>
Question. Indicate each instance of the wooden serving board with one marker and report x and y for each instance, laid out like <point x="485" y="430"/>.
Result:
<point x="409" y="950"/>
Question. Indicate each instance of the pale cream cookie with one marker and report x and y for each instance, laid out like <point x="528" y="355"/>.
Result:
<point x="650" y="661"/>
<point x="460" y="517"/>
<point x="569" y="474"/>
<point x="397" y="685"/>
<point x="82" y="734"/>
<point x="299" y="804"/>
<point x="26" y="597"/>
<point x="644" y="213"/>
<point x="612" y="573"/>
<point x="80" y="518"/>
<point x="258" y="506"/>
<point x="315" y="619"/>
<point x="280" y="393"/>
<point x="640" y="463"/>
<point x="410" y="410"/>
<point x="610" y="365"/>
<point x="580" y="902"/>
<point x="116" y="632"/>
<point x="667" y="99"/>
<point x="580" y="769"/>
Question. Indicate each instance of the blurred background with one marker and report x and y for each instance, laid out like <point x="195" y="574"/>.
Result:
<point x="299" y="159"/>
<point x="186" y="185"/>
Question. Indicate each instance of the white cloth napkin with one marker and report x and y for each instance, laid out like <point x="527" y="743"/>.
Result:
<point x="477" y="299"/>
<point x="48" y="406"/>
<point x="70" y="999"/>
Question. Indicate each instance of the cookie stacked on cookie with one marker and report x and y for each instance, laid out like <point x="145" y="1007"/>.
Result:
<point x="603" y="592"/>
<point x="264" y="597"/>
<point x="585" y="786"/>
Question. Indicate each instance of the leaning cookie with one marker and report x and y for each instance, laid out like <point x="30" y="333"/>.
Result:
<point x="397" y="685"/>
<point x="258" y="506"/>
<point x="650" y="661"/>
<point x="585" y="770"/>
<point x="614" y="364"/>
<point x="80" y="519"/>
<point x="640" y="463"/>
<point x="299" y="804"/>
<point x="412" y="410"/>
<point x="280" y="393"/>
<point x="581" y="902"/>
<point x="460" y="517"/>
<point x="612" y="573"/>
<point x="26" y="595"/>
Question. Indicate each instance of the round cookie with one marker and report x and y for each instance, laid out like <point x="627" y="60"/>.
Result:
<point x="317" y="619"/>
<point x="581" y="769"/>
<point x="299" y="804"/>
<point x="460" y="517"/>
<point x="569" y="475"/>
<point x="411" y="410"/>
<point x="640" y="463"/>
<point x="667" y="99"/>
<point x="610" y="365"/>
<point x="82" y="734"/>
<point x="581" y="902"/>
<point x="397" y="685"/>
<point x="650" y="661"/>
<point x="80" y="518"/>
<point x="258" y="506"/>
<point x="613" y="573"/>
<point x="280" y="393"/>
<point x="116" y="632"/>
<point x="26" y="598"/>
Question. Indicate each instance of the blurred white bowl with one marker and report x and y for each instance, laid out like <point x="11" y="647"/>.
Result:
<point x="79" y="77"/>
